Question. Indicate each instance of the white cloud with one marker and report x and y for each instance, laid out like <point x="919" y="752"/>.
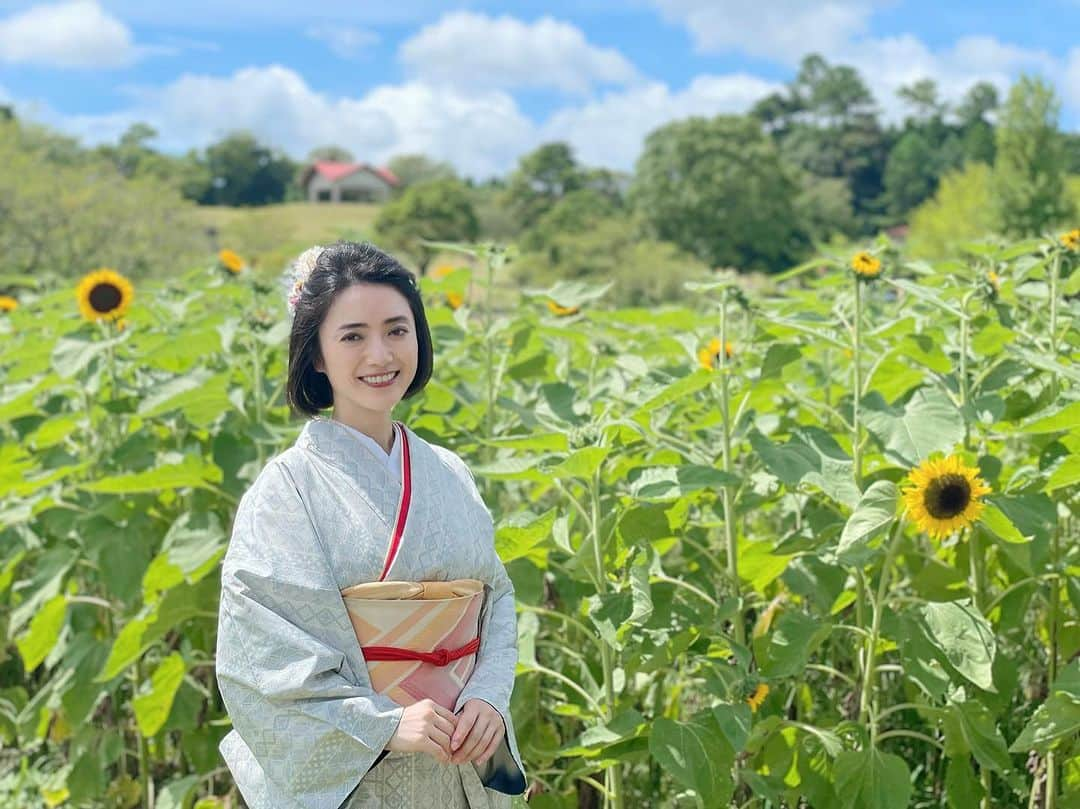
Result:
<point x="887" y="64"/>
<point x="782" y="30"/>
<point x="348" y="42"/>
<point x="464" y="49"/>
<point x="78" y="34"/>
<point x="480" y="133"/>
<point x="1071" y="83"/>
<point x="611" y="131"/>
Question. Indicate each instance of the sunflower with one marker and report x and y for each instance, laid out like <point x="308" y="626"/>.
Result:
<point x="866" y="265"/>
<point x="441" y="271"/>
<point x="455" y="299"/>
<point x="1071" y="239"/>
<point x="994" y="279"/>
<point x="944" y="496"/>
<point x="561" y="311"/>
<point x="104" y="294"/>
<point x="758" y="697"/>
<point x="7" y="303"/>
<point x="231" y="261"/>
<point x="709" y="356"/>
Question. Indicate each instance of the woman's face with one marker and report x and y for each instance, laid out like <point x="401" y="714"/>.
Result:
<point x="368" y="333"/>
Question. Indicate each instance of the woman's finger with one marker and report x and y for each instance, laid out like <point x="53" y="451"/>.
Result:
<point x="442" y="740"/>
<point x="474" y="743"/>
<point x="489" y="751"/>
<point x="465" y="723"/>
<point x="445" y="725"/>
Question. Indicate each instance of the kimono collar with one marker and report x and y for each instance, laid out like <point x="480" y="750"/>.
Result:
<point x="332" y="441"/>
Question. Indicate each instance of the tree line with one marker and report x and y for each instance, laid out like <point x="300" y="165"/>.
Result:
<point x="806" y="166"/>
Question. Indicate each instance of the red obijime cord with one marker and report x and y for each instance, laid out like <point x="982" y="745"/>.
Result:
<point x="438" y="657"/>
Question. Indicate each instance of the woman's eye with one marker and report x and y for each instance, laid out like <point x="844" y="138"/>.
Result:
<point x="400" y="329"/>
<point x="347" y="336"/>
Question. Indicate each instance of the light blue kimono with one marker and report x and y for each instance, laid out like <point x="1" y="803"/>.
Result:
<point x="307" y="726"/>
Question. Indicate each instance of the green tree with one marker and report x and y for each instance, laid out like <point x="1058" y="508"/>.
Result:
<point x="977" y="133"/>
<point x="541" y="179"/>
<point x="826" y="122"/>
<point x="717" y="188"/>
<point x="72" y="216"/>
<point x="332" y="152"/>
<point x="959" y="212"/>
<point x="574" y="213"/>
<point x="823" y="207"/>
<point x="134" y="157"/>
<point x="245" y="172"/>
<point x="1071" y="146"/>
<point x="1029" y="169"/>
<point x="643" y="271"/>
<point x="412" y="169"/>
<point x="440" y="210"/>
<point x="911" y="172"/>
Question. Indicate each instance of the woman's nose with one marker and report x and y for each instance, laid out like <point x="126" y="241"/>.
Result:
<point x="379" y="352"/>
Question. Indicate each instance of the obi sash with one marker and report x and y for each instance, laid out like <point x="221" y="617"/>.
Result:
<point x="419" y="639"/>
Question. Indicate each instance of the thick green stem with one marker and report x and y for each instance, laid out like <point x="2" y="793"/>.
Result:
<point x="140" y="745"/>
<point x="856" y="452"/>
<point x="856" y="393"/>
<point x="614" y="772"/>
<point x="867" y="695"/>
<point x="1052" y="662"/>
<point x="260" y="406"/>
<point x="490" y="348"/>
<point x="1055" y="551"/>
<point x="730" y="541"/>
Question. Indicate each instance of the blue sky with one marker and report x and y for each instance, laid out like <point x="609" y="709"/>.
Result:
<point x="480" y="83"/>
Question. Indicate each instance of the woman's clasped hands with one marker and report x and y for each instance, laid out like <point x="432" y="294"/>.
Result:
<point x="427" y="727"/>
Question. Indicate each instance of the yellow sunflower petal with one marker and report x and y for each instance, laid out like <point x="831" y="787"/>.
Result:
<point x="944" y="496"/>
<point x="104" y="294"/>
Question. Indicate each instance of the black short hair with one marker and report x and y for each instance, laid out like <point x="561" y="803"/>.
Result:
<point x="339" y="267"/>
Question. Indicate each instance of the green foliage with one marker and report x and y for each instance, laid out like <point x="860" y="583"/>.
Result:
<point x="439" y="210"/>
<point x="910" y="172"/>
<point x="541" y="179"/>
<point x="133" y="157"/>
<point x="412" y="169"/>
<point x="67" y="212"/>
<point x="961" y="211"/>
<point x="245" y="172"/>
<point x="610" y="460"/>
<point x="1029" y="171"/>
<point x="823" y="207"/>
<point x="600" y="249"/>
<point x="331" y="152"/>
<point x="717" y="188"/>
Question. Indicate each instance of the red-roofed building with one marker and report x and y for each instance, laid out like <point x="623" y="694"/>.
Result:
<point x="329" y="181"/>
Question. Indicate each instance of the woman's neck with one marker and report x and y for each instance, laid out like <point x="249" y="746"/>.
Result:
<point x="380" y="431"/>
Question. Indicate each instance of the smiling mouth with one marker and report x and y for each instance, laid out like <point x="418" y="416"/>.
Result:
<point x="380" y="379"/>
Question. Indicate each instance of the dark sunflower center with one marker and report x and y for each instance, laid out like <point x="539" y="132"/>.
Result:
<point x="104" y="297"/>
<point x="947" y="496"/>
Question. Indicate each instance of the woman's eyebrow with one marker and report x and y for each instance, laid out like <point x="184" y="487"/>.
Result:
<point x="396" y="319"/>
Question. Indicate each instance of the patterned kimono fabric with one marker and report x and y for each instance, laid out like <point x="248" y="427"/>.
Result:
<point x="310" y="726"/>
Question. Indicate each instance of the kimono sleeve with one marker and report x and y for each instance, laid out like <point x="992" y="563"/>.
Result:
<point x="307" y="725"/>
<point x="492" y="678"/>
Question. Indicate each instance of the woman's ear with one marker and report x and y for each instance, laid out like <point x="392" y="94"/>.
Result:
<point x="318" y="365"/>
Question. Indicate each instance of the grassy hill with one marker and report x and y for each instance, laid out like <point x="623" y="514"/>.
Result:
<point x="269" y="236"/>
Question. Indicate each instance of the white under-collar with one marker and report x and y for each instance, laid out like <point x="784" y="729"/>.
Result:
<point x="392" y="460"/>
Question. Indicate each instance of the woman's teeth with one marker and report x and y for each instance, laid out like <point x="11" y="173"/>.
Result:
<point x="379" y="380"/>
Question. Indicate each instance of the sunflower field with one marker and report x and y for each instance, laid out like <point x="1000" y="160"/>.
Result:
<point x="808" y="544"/>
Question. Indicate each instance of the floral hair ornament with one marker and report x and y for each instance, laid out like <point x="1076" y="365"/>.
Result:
<point x="297" y="274"/>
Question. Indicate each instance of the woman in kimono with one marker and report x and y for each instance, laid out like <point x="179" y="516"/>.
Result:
<point x="309" y="730"/>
